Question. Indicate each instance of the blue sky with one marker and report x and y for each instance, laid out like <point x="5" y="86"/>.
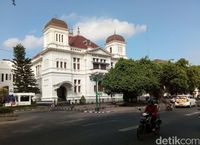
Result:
<point x="161" y="29"/>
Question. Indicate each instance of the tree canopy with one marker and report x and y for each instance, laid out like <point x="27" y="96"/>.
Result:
<point x="24" y="76"/>
<point x="135" y="77"/>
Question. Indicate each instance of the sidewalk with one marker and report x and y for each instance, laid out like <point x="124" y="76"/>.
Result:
<point x="107" y="108"/>
<point x="90" y="108"/>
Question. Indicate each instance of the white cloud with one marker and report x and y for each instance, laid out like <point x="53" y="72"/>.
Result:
<point x="30" y="41"/>
<point x="91" y="27"/>
<point x="100" y="28"/>
<point x="72" y="16"/>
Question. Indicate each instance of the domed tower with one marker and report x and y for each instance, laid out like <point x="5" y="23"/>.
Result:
<point x="56" y="34"/>
<point x="116" y="45"/>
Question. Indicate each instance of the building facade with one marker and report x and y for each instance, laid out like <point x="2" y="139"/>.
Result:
<point x="64" y="66"/>
<point x="6" y="75"/>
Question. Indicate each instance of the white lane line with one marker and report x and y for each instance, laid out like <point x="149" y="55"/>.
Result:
<point x="98" y="123"/>
<point x="193" y="113"/>
<point x="128" y="128"/>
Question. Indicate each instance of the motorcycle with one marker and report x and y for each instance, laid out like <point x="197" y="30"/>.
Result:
<point x="146" y="126"/>
<point x="169" y="107"/>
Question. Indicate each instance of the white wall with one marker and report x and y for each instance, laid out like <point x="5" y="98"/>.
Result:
<point x="6" y="69"/>
<point x="50" y="38"/>
<point x="118" y="49"/>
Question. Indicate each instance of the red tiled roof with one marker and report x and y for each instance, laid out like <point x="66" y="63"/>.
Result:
<point x="115" y="37"/>
<point x="81" y="42"/>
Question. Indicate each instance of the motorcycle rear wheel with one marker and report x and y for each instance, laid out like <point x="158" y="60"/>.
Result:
<point x="157" y="131"/>
<point x="140" y="133"/>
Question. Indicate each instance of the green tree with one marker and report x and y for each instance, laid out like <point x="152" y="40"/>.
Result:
<point x="152" y="72"/>
<point x="193" y="78"/>
<point x="24" y="76"/>
<point x="124" y="78"/>
<point x="175" y="78"/>
<point x="133" y="78"/>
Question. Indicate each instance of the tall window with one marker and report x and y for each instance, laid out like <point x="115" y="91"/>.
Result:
<point x="6" y="77"/>
<point x="65" y="65"/>
<point x="95" y="66"/>
<point x="120" y="50"/>
<point x="76" y="63"/>
<point x="110" y="49"/>
<point x="9" y="76"/>
<point x="111" y="64"/>
<point x="2" y="77"/>
<point x="57" y="64"/>
<point x="56" y="37"/>
<point x="59" y="37"/>
<point x="61" y="64"/>
<point x="38" y="70"/>
<point x="103" y="66"/>
<point x="77" y="86"/>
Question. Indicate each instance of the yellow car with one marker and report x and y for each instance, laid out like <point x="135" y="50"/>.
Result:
<point x="185" y="101"/>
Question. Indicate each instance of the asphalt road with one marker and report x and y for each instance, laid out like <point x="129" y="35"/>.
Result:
<point x="74" y="128"/>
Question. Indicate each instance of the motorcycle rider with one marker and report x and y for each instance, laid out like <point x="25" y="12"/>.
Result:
<point x="152" y="108"/>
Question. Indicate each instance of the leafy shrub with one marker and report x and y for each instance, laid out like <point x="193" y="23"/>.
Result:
<point x="82" y="100"/>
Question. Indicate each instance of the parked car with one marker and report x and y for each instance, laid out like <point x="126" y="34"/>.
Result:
<point x="185" y="101"/>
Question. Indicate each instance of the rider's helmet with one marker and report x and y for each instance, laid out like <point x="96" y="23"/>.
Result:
<point x="152" y="101"/>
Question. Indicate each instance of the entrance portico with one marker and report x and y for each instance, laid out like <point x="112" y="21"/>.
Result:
<point x="63" y="90"/>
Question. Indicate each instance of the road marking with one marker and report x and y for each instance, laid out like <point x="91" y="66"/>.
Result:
<point x="98" y="123"/>
<point x="193" y="113"/>
<point x="128" y="128"/>
<point x="70" y="121"/>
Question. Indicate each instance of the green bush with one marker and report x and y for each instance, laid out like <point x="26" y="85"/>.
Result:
<point x="4" y="110"/>
<point x="82" y="100"/>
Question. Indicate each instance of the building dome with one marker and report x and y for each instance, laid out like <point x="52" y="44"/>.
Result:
<point x="115" y="37"/>
<point x="56" y="23"/>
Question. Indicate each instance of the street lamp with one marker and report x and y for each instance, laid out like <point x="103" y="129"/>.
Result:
<point x="96" y="77"/>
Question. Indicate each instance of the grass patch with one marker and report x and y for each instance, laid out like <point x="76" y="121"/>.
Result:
<point x="5" y="110"/>
<point x="27" y="107"/>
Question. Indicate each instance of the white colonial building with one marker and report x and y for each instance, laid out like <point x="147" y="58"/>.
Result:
<point x="6" y="75"/>
<point x="64" y="66"/>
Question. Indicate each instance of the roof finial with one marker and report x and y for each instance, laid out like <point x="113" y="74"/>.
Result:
<point x="78" y="32"/>
<point x="55" y="16"/>
<point x="114" y="31"/>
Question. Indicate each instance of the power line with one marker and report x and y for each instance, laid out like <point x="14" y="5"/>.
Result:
<point x="5" y="50"/>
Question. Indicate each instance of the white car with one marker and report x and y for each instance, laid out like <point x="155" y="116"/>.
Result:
<point x="185" y="101"/>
